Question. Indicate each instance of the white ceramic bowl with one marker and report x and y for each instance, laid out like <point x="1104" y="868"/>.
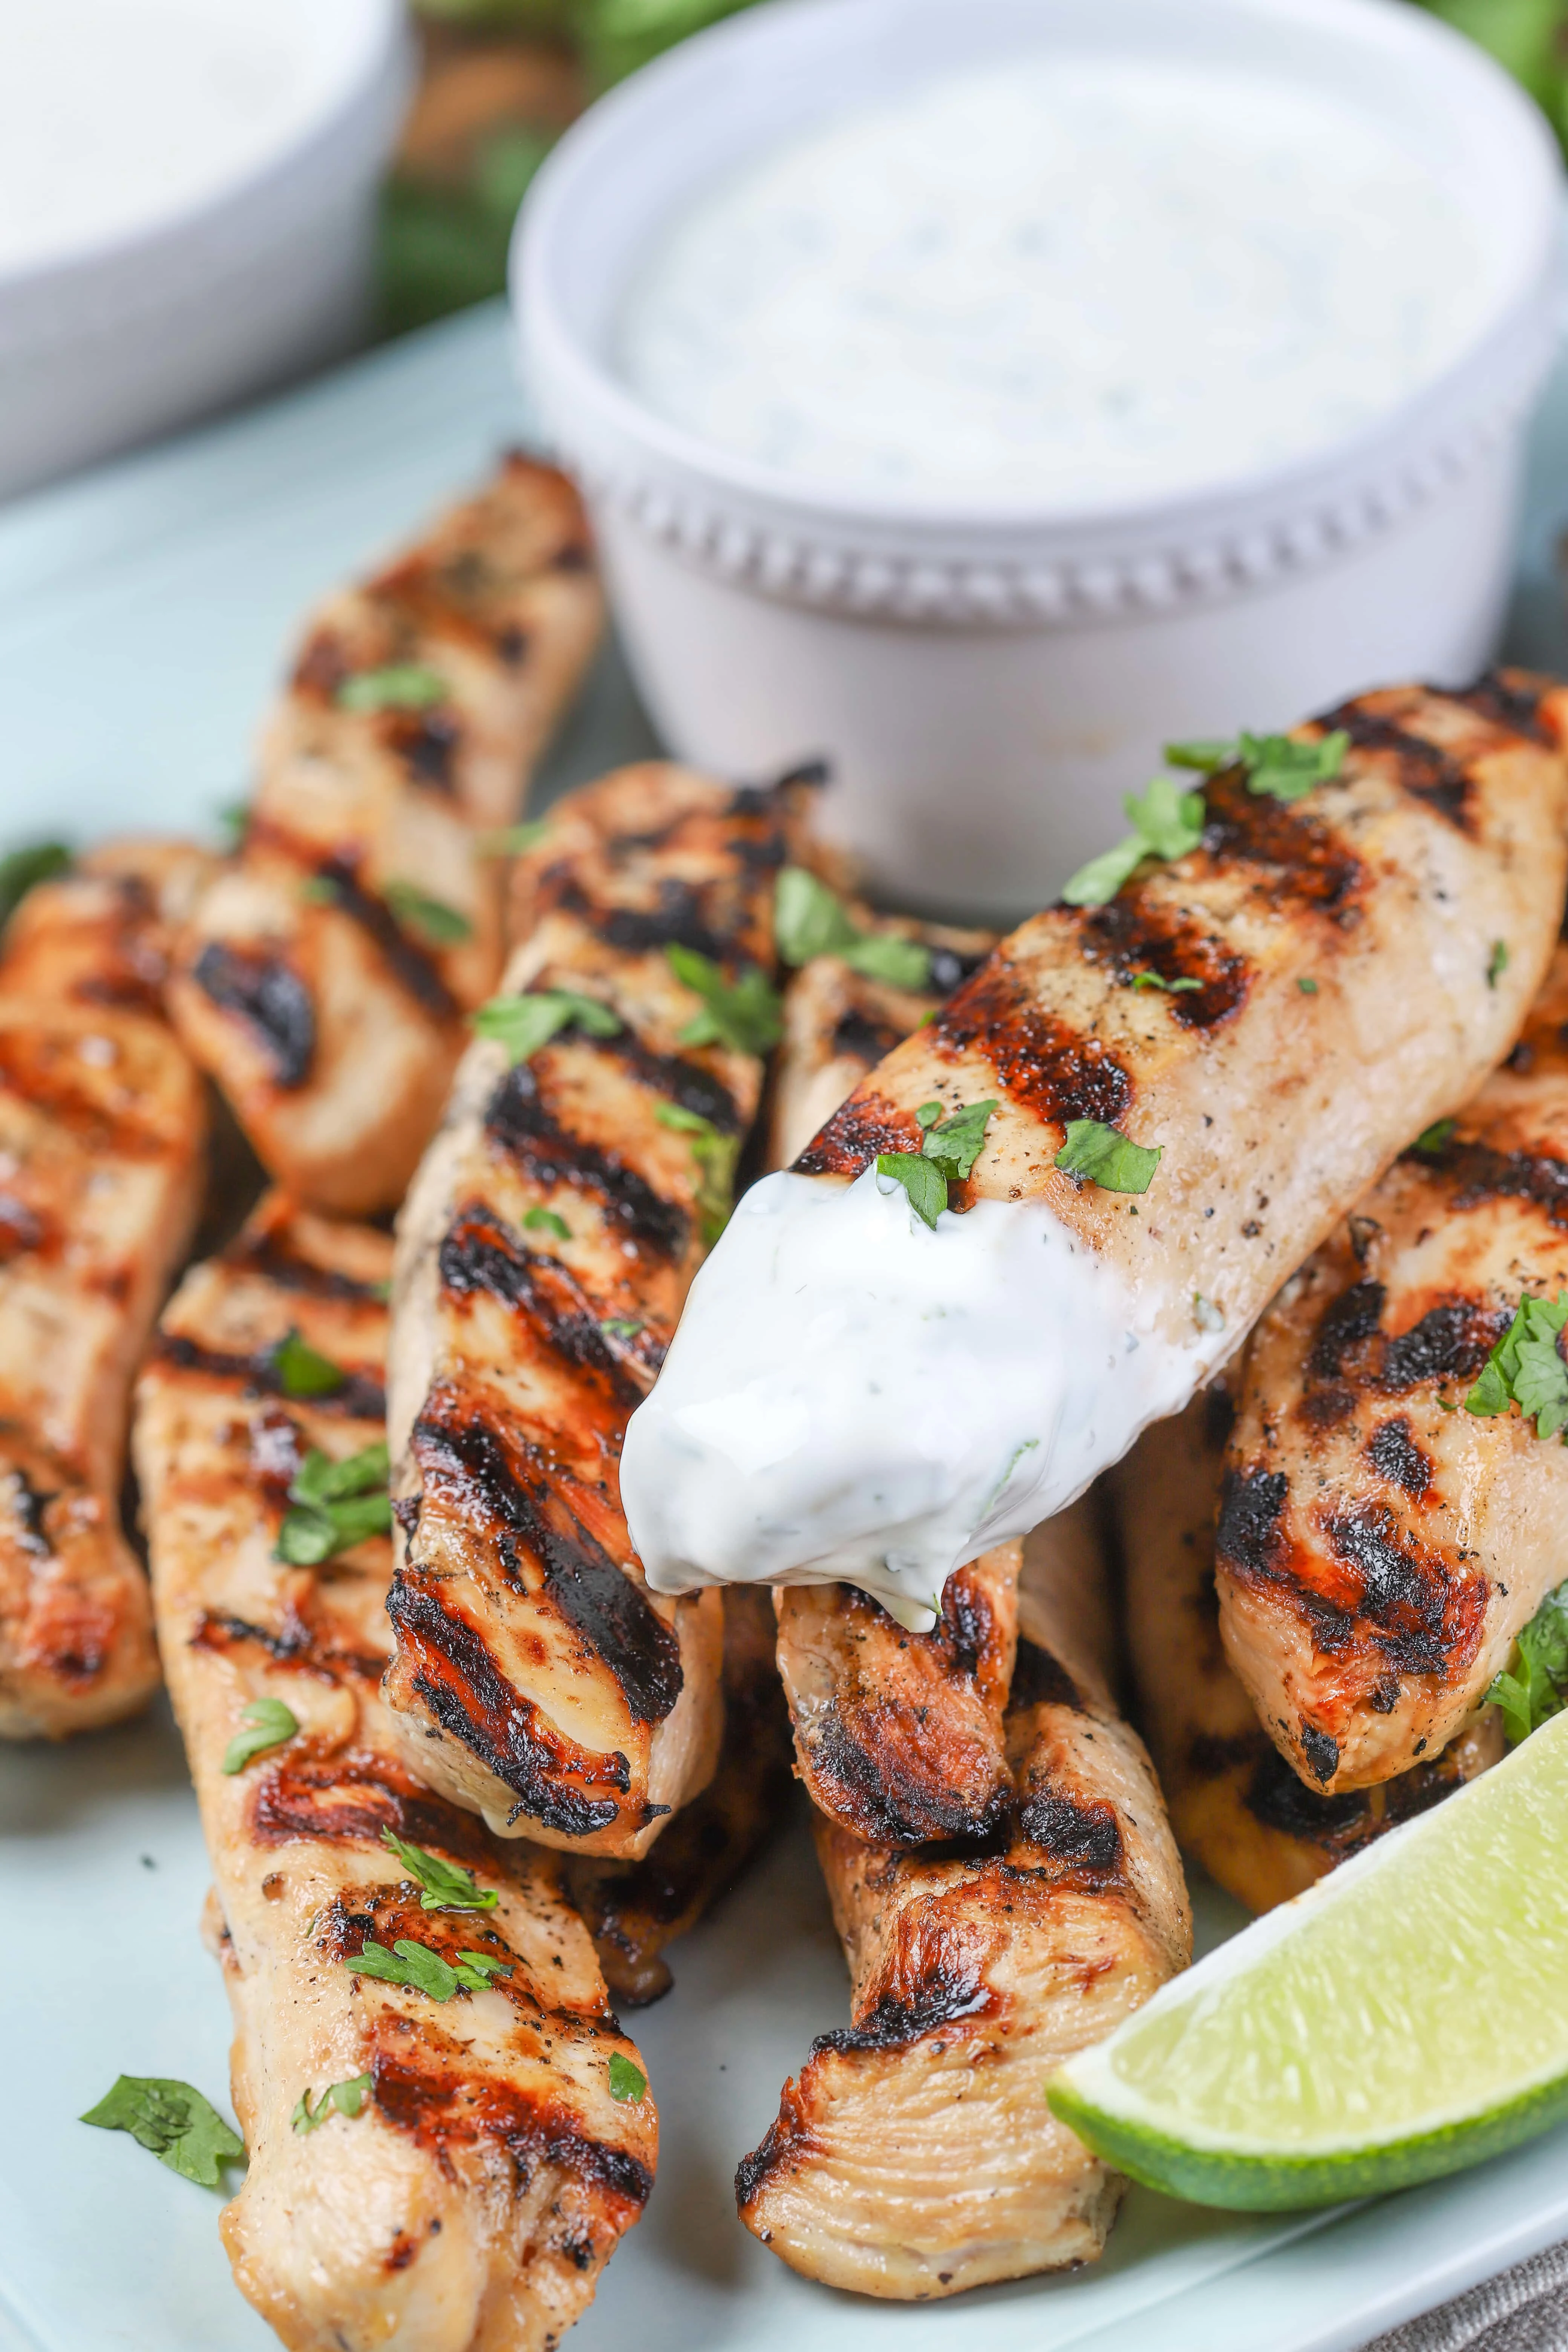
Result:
<point x="986" y="682"/>
<point x="262" y="271"/>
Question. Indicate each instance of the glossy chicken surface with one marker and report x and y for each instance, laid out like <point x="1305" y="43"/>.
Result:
<point x="325" y="977"/>
<point x="1236" y="1805"/>
<point x="914" y="2155"/>
<point x="470" y="2202"/>
<point x="1380" y="1547"/>
<point x="536" y="1677"/>
<point x="103" y="1142"/>
<point x="1275" y="1104"/>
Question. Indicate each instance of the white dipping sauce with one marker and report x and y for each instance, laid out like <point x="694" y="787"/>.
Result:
<point x="1075" y="282"/>
<point x="851" y="1395"/>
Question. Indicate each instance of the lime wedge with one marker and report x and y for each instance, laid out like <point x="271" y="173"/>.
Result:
<point x="1406" y="2018"/>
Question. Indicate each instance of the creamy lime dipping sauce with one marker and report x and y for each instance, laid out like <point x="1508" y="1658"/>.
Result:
<point x="1065" y="282"/>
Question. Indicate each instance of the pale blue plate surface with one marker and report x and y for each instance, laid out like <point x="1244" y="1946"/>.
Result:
<point x="143" y="615"/>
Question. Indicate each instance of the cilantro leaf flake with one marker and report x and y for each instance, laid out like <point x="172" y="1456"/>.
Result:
<point x="810" y="920"/>
<point x="1497" y="963"/>
<point x="1167" y="823"/>
<point x="1144" y="980"/>
<point x="921" y="1179"/>
<point x="178" y="2126"/>
<point x="25" y="868"/>
<point x="525" y="1024"/>
<point x="956" y="1143"/>
<point x="338" y="2098"/>
<point x="1104" y="1156"/>
<point x="415" y="911"/>
<point x="420" y="1969"/>
<point x="266" y="1723"/>
<point x="714" y="1155"/>
<point x="336" y="1505"/>
<point x="1526" y="1368"/>
<point x="513" y="840"/>
<point x="628" y="2084"/>
<point x="444" y="1885"/>
<point x="1432" y="1139"/>
<point x="620" y="1327"/>
<point x="744" y="1013"/>
<point x="1275" y="765"/>
<point x="302" y="1370"/>
<point x="1534" y="1688"/>
<point x="397" y="686"/>
<point x="546" y="1221"/>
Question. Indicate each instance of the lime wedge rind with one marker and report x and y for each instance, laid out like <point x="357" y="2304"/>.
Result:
<point x="1262" y="2182"/>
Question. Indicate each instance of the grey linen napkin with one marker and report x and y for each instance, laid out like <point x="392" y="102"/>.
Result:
<point x="1525" y="2310"/>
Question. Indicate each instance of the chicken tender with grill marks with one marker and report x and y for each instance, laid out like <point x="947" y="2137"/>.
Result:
<point x="914" y="2155"/>
<point x="1380" y="1547"/>
<point x="104" y="933"/>
<point x="1236" y="1806"/>
<point x="324" y="978"/>
<point x="544" y="1256"/>
<point x="464" y="2190"/>
<point x="1362" y="956"/>
<point x="102" y="1136"/>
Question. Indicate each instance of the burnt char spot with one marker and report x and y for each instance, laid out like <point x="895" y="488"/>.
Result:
<point x="948" y="967"/>
<point x="441" y="2107"/>
<point x="1038" y="1060"/>
<point x="466" y="1469"/>
<point x="427" y="742"/>
<point x="295" y="1643"/>
<point x="1427" y="773"/>
<point x="680" y="918"/>
<point x="359" y="1399"/>
<point x="1132" y="934"/>
<point x="1308" y="866"/>
<point x="1247" y="1534"/>
<point x="1407" y="1598"/>
<point x="670" y="1075"/>
<point x="519" y="1122"/>
<point x="479" y="1253"/>
<point x="1393" y="1453"/>
<point x="1449" y="1342"/>
<point x="945" y="1996"/>
<point x="1085" y="1838"/>
<point x="1326" y="1408"/>
<point x="357" y="1794"/>
<point x="266" y="1254"/>
<point x="272" y="1000"/>
<point x="1219" y="1417"/>
<point x="473" y="1702"/>
<point x="1322" y="1754"/>
<point x="858" y="1130"/>
<point x="1509" y="698"/>
<point x="1278" y="1798"/>
<point x="1345" y="1322"/>
<point x="884" y="1808"/>
<point x="1041" y="1680"/>
<point x="863" y="1040"/>
<point x="28" y="1504"/>
<point x="1479" y="1174"/>
<point x="412" y="969"/>
<point x="754" y="2171"/>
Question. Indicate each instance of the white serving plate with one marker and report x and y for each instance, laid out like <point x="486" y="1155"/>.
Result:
<point x="142" y="615"/>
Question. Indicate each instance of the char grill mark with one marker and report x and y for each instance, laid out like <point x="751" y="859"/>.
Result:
<point x="861" y="1039"/>
<point x="850" y="1769"/>
<point x="1425" y="1619"/>
<point x="858" y="1130"/>
<point x="1508" y="699"/>
<point x="682" y="918"/>
<point x="1083" y="1841"/>
<point x="1322" y="1752"/>
<point x="296" y="1643"/>
<point x="1346" y="1321"/>
<point x="673" y="1077"/>
<point x="947" y="1988"/>
<point x="1132" y="934"/>
<point x="479" y="1253"/>
<point x="467" y="1471"/>
<point x="1343" y="1824"/>
<point x="519" y="1122"/>
<point x="359" y="1399"/>
<point x="271" y="998"/>
<point x="1249" y="1536"/>
<point x="412" y="969"/>
<point x="1041" y="1680"/>
<point x="1040" y="1062"/>
<point x="265" y="1253"/>
<point x="1393" y="1453"/>
<point x="473" y="1702"/>
<point x="1479" y="1174"/>
<point x="28" y="1504"/>
<point x="1351" y="1353"/>
<point x="445" y="2107"/>
<point x="1297" y="859"/>
<point x="427" y="742"/>
<point x="354" y="1795"/>
<point x="1427" y="773"/>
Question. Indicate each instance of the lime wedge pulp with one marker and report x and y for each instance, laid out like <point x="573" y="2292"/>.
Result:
<point x="1406" y="2018"/>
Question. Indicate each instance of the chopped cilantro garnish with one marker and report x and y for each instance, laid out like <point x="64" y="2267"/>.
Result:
<point x="744" y="1013"/>
<point x="234" y="823"/>
<point x="523" y="1023"/>
<point x="400" y="686"/>
<point x="336" y="1504"/>
<point x="810" y="920"/>
<point x="1526" y="1368"/>
<point x="1433" y="1138"/>
<point x="180" y="2127"/>
<point x="1205" y="1314"/>
<point x="1166" y="823"/>
<point x="1534" y="1688"/>
<point x="714" y="1155"/>
<point x="267" y="1723"/>
<point x="949" y="1149"/>
<point x="620" y="1327"/>
<point x="513" y="840"/>
<point x="1497" y="963"/>
<point x="1171" y="987"/>
<point x="546" y="1221"/>
<point x="443" y="926"/>
<point x="921" y="1179"/>
<point x="338" y="2098"/>
<point x="1275" y="764"/>
<point x="25" y="867"/>
<point x="447" y="1885"/>
<point x="416" y="1967"/>
<point x="302" y="1370"/>
<point x="1308" y="987"/>
<point x="628" y="2084"/>
<point x="1106" y="1157"/>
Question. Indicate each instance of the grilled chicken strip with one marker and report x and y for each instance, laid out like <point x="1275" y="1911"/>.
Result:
<point x="324" y="978"/>
<point x="102" y="1130"/>
<point x="1378" y="1549"/>
<point x="468" y="2200"/>
<point x="536" y="1678"/>
<point x="1236" y="1805"/>
<point x="104" y="933"/>
<point x="853" y="1396"/>
<point x="634" y="1910"/>
<point x="914" y="2155"/>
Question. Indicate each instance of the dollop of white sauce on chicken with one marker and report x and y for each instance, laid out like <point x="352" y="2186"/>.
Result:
<point x="853" y="1396"/>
